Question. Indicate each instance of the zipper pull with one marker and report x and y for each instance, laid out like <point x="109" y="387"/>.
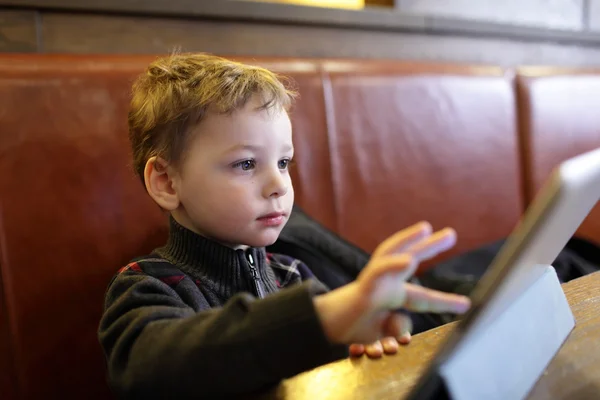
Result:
<point x="255" y="277"/>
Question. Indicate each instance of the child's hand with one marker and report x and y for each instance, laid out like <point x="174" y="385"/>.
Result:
<point x="365" y="310"/>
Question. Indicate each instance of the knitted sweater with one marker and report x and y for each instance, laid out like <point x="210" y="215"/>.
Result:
<point x="199" y="319"/>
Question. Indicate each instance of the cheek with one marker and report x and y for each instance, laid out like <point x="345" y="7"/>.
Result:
<point x="232" y="198"/>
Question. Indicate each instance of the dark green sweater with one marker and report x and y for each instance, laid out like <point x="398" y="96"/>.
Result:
<point x="185" y="321"/>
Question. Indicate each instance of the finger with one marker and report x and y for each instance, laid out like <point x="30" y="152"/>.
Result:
<point x="398" y="325"/>
<point x="405" y="338"/>
<point x="403" y="239"/>
<point x="407" y="263"/>
<point x="400" y="266"/>
<point x="420" y="299"/>
<point x="390" y="345"/>
<point x="356" y="350"/>
<point x="406" y="328"/>
<point x="374" y="350"/>
<point x="433" y="245"/>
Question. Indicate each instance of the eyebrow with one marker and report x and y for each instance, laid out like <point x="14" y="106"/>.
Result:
<point x="251" y="147"/>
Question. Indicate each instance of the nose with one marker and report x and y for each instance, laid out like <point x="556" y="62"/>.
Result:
<point x="277" y="184"/>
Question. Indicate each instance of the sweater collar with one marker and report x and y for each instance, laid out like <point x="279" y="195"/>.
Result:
<point x="228" y="270"/>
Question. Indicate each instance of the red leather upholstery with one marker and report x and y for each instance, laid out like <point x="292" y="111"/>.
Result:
<point x="560" y="118"/>
<point x="71" y="213"/>
<point x="8" y="378"/>
<point x="379" y="146"/>
<point x="423" y="142"/>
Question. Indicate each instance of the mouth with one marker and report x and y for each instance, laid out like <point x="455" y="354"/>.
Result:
<point x="272" y="215"/>
<point x="272" y="219"/>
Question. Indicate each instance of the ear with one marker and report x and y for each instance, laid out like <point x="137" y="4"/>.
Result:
<point x="159" y="184"/>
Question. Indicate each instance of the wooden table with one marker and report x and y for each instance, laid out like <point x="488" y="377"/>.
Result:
<point x="573" y="374"/>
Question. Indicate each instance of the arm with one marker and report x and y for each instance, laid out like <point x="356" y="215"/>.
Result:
<point x="158" y="347"/>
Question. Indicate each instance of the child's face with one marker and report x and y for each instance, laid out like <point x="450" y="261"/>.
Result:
<point x="233" y="184"/>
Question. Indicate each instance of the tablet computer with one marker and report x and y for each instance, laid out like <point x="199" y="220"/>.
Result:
<point x="556" y="212"/>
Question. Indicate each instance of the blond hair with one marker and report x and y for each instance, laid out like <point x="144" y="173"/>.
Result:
<point x="175" y="93"/>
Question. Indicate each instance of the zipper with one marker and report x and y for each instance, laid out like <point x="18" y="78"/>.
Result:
<point x="255" y="276"/>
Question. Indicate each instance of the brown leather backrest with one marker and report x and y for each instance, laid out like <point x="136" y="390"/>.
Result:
<point x="421" y="141"/>
<point x="72" y="212"/>
<point x="8" y="378"/>
<point x="378" y="147"/>
<point x="559" y="118"/>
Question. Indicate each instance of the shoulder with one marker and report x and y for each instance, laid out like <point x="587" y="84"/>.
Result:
<point x="151" y="279"/>
<point x="152" y="267"/>
<point x="288" y="269"/>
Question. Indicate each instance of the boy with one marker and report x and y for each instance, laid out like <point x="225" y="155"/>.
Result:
<point x="212" y="143"/>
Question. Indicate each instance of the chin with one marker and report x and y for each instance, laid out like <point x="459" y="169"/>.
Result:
<point x="262" y="239"/>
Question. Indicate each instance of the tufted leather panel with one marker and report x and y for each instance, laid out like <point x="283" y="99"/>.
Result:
<point x="8" y="379"/>
<point x="423" y="142"/>
<point x="72" y="213"/>
<point x="559" y="118"/>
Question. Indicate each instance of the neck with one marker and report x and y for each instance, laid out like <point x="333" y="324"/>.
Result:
<point x="185" y="223"/>
<point x="228" y="269"/>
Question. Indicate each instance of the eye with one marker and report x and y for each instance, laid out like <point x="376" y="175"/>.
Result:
<point x="245" y="165"/>
<point x="285" y="163"/>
